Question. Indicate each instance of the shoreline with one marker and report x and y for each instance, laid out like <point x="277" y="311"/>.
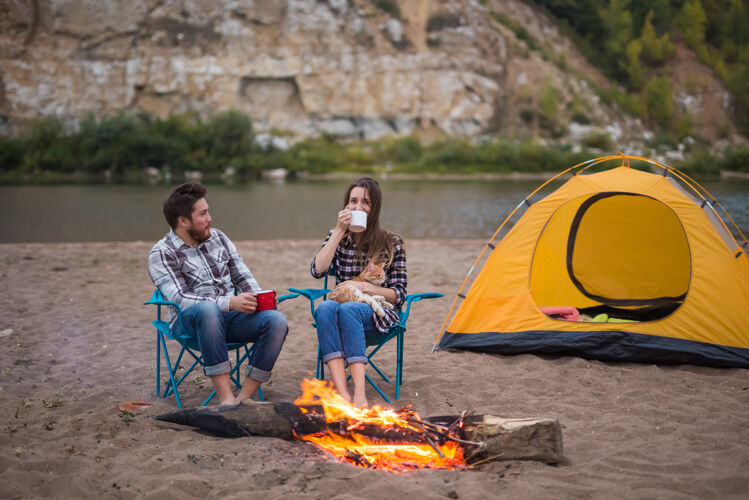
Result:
<point x="55" y="178"/>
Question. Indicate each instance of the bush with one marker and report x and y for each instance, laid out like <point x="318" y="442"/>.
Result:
<point x="597" y="140"/>
<point x="406" y="149"/>
<point x="450" y="152"/>
<point x="700" y="162"/>
<point x="11" y="154"/>
<point x="736" y="160"/>
<point x="229" y="136"/>
<point x="658" y="101"/>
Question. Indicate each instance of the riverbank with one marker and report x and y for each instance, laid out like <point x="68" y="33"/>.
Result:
<point x="75" y="342"/>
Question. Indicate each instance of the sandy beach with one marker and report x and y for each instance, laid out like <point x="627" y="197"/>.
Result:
<point x="75" y="342"/>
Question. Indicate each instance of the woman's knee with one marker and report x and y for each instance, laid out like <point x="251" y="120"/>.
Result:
<point x="354" y="309"/>
<point x="327" y="309"/>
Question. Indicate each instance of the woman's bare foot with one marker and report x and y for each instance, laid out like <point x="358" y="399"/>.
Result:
<point x="360" y="400"/>
<point x="345" y="395"/>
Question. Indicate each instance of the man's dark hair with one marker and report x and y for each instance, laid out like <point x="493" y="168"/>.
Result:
<point x="181" y="200"/>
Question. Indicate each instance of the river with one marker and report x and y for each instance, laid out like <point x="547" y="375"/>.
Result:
<point x="289" y="210"/>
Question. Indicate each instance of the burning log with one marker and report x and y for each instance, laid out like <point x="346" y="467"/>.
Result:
<point x="382" y="438"/>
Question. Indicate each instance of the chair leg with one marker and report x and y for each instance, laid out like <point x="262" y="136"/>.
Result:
<point x="320" y="373"/>
<point x="382" y="394"/>
<point x="171" y="372"/>
<point x="399" y="366"/>
<point x="377" y="369"/>
<point x="158" y="362"/>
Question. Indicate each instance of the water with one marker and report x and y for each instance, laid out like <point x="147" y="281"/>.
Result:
<point x="292" y="210"/>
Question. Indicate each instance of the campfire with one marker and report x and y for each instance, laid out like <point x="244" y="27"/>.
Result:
<point x="391" y="440"/>
<point x="380" y="438"/>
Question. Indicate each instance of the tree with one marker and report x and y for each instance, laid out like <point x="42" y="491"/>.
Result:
<point x="691" y="23"/>
<point x="617" y="21"/>
<point x="654" y="50"/>
<point x="632" y="66"/>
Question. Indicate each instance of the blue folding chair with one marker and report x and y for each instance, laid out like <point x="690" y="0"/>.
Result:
<point x="190" y="346"/>
<point x="375" y="342"/>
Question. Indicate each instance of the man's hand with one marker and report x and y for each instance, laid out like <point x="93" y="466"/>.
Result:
<point x="244" y="302"/>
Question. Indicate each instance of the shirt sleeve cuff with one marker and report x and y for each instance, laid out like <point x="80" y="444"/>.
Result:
<point x="223" y="303"/>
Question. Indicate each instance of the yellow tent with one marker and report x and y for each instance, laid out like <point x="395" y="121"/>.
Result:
<point x="648" y="265"/>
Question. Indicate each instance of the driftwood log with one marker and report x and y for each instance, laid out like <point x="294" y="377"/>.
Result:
<point x="501" y="438"/>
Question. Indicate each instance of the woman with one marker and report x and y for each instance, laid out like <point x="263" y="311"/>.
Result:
<point x="341" y="329"/>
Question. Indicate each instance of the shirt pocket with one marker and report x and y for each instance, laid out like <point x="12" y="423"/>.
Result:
<point x="221" y="259"/>
<point x="191" y="273"/>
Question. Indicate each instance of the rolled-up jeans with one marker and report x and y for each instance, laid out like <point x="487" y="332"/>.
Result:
<point x="213" y="329"/>
<point x="342" y="330"/>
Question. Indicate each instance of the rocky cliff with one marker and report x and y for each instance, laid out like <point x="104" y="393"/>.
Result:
<point x="352" y="68"/>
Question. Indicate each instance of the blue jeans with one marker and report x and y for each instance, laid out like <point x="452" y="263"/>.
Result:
<point x="213" y="329"/>
<point x="342" y="328"/>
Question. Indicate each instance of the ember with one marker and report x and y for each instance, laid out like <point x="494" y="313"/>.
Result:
<point x="380" y="438"/>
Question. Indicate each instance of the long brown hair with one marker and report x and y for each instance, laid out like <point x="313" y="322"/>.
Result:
<point x="377" y="241"/>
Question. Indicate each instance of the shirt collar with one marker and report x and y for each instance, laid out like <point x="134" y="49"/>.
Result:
<point x="176" y="240"/>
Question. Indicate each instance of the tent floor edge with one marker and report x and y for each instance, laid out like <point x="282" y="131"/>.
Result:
<point x="617" y="346"/>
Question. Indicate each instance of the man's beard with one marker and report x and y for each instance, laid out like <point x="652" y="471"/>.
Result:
<point x="200" y="236"/>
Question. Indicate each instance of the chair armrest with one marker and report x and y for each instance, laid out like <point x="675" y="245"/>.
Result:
<point x="287" y="297"/>
<point x="410" y="299"/>
<point x="312" y="294"/>
<point x="158" y="300"/>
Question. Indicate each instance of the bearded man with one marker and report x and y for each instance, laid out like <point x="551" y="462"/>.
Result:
<point x="198" y="267"/>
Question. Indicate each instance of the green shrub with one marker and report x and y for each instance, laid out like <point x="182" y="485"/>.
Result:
<point x="597" y="140"/>
<point x="736" y="160"/>
<point x="450" y="152"/>
<point x="700" y="162"/>
<point x="658" y="101"/>
<point x="549" y="103"/>
<point x="11" y="154"/>
<point x="405" y="149"/>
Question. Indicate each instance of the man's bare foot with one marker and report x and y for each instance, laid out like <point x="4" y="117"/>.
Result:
<point x="229" y="401"/>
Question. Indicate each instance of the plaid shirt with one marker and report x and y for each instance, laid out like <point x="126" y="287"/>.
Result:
<point x="187" y="275"/>
<point x="347" y="268"/>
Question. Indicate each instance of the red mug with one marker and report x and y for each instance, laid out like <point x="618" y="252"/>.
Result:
<point x="266" y="300"/>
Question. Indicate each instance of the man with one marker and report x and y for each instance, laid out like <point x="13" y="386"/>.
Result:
<point x="198" y="267"/>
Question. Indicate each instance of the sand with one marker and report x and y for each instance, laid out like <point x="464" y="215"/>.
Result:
<point x="75" y="342"/>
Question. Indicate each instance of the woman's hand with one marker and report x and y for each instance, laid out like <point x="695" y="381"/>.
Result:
<point x="344" y="220"/>
<point x="361" y="285"/>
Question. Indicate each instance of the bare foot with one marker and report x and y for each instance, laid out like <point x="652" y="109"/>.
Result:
<point x="360" y="401"/>
<point x="345" y="395"/>
<point x="229" y="401"/>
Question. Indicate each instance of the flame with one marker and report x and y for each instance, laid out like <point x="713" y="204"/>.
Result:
<point x="353" y="446"/>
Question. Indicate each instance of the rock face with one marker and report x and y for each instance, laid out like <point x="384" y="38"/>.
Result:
<point x="342" y="67"/>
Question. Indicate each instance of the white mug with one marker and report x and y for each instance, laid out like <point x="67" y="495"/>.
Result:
<point x="358" y="221"/>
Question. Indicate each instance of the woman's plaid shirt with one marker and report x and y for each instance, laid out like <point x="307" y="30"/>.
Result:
<point x="347" y="268"/>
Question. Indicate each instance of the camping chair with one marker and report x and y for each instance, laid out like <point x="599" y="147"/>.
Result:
<point x="375" y="342"/>
<point x="189" y="345"/>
